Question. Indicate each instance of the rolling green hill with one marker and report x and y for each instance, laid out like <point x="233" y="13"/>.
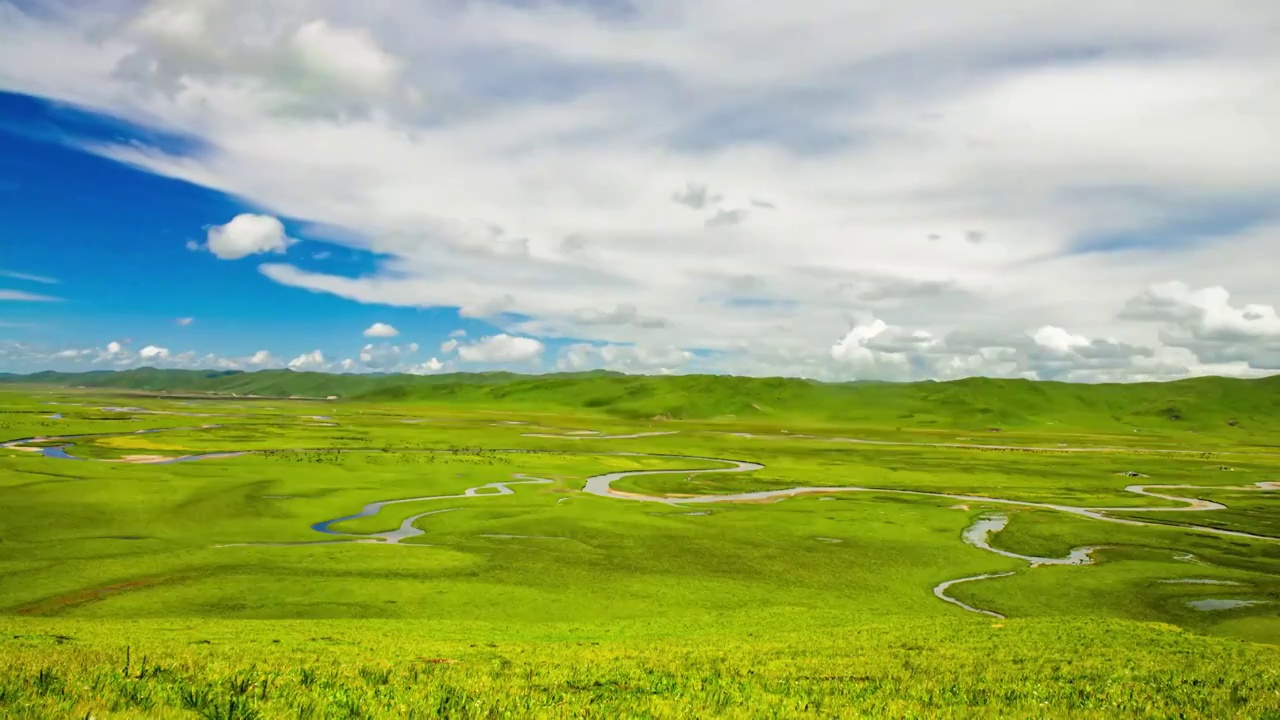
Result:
<point x="1212" y="404"/>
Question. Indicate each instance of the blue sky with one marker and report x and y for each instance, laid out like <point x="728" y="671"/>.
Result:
<point x="823" y="189"/>
<point x="107" y="244"/>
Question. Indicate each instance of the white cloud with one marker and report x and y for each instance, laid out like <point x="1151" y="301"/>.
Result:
<point x="1207" y="312"/>
<point x="116" y="356"/>
<point x="44" y="280"/>
<point x="263" y="358"/>
<point x="501" y="348"/>
<point x="873" y="349"/>
<point x="248" y="234"/>
<point x="1055" y="338"/>
<point x="386" y="357"/>
<point x="696" y="196"/>
<point x="625" y="314"/>
<point x="380" y="330"/>
<point x="24" y="296"/>
<point x="311" y="361"/>
<point x="153" y="352"/>
<point x="623" y="358"/>
<point x="458" y="334"/>
<point x="428" y="367"/>
<point x="854" y="352"/>
<point x="186" y="321"/>
<point x="448" y="346"/>
<point x="349" y="57"/>
<point x="488" y="307"/>
<point x="1206" y="323"/>
<point x="946" y="169"/>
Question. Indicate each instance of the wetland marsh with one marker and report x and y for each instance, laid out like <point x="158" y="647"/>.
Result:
<point x="648" y="547"/>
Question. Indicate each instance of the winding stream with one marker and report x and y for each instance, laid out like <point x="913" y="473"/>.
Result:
<point x="977" y="534"/>
<point x="601" y="485"/>
<point x="980" y="446"/>
<point x="940" y="591"/>
<point x="407" y="529"/>
<point x="592" y="435"/>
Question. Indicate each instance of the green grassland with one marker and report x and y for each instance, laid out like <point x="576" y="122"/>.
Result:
<point x="1222" y="410"/>
<point x="194" y="589"/>
<point x="927" y="669"/>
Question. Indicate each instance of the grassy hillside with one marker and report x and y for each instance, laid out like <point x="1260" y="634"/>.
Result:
<point x="1242" y="407"/>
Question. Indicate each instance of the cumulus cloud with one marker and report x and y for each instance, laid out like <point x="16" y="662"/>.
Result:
<point x="448" y="346"/>
<point x="348" y="56"/>
<point x="310" y="361"/>
<point x="380" y="330"/>
<point x="153" y="352"/>
<point x="386" y="357"/>
<point x="1015" y="183"/>
<point x="1055" y="338"/>
<point x="117" y="356"/>
<point x="247" y="234"/>
<point x="854" y="350"/>
<point x="1205" y="322"/>
<point x="501" y="348"/>
<point x="262" y="359"/>
<point x="428" y="367"/>
<point x="873" y="349"/>
<point x="623" y="358"/>
<point x="1206" y="313"/>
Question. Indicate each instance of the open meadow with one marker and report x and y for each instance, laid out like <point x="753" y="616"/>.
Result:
<point x="223" y="556"/>
<point x="631" y="359"/>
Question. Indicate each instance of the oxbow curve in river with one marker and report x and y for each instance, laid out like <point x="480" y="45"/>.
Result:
<point x="977" y="535"/>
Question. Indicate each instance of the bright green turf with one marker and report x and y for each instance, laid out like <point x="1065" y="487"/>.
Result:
<point x="612" y="607"/>
<point x="953" y="668"/>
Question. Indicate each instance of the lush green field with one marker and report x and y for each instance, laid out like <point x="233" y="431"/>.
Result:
<point x="927" y="668"/>
<point x="193" y="589"/>
<point x="1216" y="410"/>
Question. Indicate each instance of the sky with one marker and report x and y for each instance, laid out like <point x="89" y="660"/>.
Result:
<point x="832" y="189"/>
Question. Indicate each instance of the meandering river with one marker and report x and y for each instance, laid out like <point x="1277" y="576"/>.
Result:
<point x="977" y="534"/>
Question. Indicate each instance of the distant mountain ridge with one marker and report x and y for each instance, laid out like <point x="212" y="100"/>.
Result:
<point x="1209" y="404"/>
